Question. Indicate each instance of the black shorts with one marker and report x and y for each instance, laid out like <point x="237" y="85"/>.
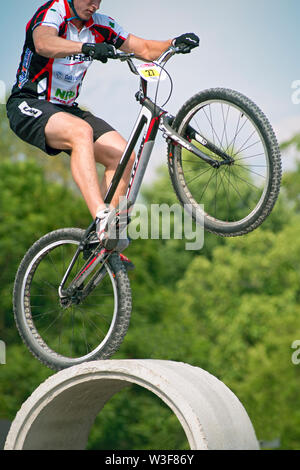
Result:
<point x="28" y="117"/>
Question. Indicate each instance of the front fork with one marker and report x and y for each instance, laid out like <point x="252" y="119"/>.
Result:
<point x="175" y="138"/>
<point x="75" y="287"/>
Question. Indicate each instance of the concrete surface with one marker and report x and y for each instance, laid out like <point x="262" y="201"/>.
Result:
<point x="4" y="428"/>
<point x="61" y="411"/>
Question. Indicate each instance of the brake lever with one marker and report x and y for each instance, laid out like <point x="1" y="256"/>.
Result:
<point x="184" y="49"/>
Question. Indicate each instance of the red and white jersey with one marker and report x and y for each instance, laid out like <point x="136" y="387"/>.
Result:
<point x="60" y="80"/>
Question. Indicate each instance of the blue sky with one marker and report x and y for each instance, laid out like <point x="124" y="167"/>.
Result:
<point x="252" y="46"/>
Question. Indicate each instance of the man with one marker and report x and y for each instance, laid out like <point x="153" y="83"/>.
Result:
<point x="62" y="39"/>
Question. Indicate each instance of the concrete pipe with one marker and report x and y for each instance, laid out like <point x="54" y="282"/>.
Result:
<point x="61" y="411"/>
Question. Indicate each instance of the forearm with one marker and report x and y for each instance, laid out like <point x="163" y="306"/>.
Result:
<point x="154" y="49"/>
<point x="145" y="49"/>
<point x="57" y="47"/>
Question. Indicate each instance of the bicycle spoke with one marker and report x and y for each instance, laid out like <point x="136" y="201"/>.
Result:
<point x="198" y="174"/>
<point x="226" y="192"/>
<point x="251" y="166"/>
<point x="39" y="315"/>
<point x="235" y="137"/>
<point x="76" y="329"/>
<point x="245" y="181"/>
<point x="201" y="174"/>
<point x="251" y="171"/>
<point x="198" y="162"/>
<point x="251" y="156"/>
<point x="237" y="131"/>
<point x="50" y="285"/>
<point x="236" y="189"/>
<point x="246" y="148"/>
<point x="212" y="128"/>
<point x="51" y="324"/>
<point x="96" y="328"/>
<point x="199" y="129"/>
<point x="87" y="346"/>
<point x="213" y="175"/>
<point x="53" y="264"/>
<point x="225" y="124"/>
<point x="230" y="193"/>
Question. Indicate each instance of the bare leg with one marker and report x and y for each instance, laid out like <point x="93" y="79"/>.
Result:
<point x="68" y="132"/>
<point x="108" y="150"/>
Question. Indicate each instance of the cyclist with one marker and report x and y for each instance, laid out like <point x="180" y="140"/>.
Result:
<point x="62" y="39"/>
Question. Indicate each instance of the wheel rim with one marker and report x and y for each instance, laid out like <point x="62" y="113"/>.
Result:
<point x="78" y="332"/>
<point x="230" y="195"/>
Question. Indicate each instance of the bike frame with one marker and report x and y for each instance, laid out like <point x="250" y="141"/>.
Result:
<point x="153" y="117"/>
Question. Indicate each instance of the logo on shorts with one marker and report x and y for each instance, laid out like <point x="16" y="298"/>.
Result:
<point x="26" y="109"/>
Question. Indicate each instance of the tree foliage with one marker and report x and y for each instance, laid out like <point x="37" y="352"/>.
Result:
<point x="231" y="308"/>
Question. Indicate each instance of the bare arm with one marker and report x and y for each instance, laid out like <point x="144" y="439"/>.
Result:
<point x="48" y="44"/>
<point x="144" y="48"/>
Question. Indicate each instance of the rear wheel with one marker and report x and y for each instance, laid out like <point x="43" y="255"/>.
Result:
<point x="65" y="332"/>
<point x="234" y="198"/>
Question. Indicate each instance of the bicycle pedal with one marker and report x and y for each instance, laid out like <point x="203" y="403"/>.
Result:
<point x="128" y="264"/>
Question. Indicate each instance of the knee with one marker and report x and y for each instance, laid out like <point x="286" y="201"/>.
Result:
<point x="113" y="162"/>
<point x="130" y="163"/>
<point x="81" y="133"/>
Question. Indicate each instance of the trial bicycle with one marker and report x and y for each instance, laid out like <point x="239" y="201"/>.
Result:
<point x="72" y="298"/>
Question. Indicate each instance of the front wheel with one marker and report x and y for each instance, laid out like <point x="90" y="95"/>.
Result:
<point x="62" y="334"/>
<point x="236" y="196"/>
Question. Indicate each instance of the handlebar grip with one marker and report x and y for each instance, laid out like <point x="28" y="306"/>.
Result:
<point x="183" y="49"/>
<point x="123" y="56"/>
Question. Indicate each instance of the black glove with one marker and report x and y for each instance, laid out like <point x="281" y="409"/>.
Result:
<point x="188" y="39"/>
<point x="101" y="51"/>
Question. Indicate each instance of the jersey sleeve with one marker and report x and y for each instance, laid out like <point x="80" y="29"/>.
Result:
<point x="113" y="33"/>
<point x="50" y="17"/>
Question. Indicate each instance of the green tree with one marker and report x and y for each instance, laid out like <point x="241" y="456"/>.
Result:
<point x="231" y="308"/>
<point x="57" y="168"/>
<point x="246" y="322"/>
<point x="30" y="206"/>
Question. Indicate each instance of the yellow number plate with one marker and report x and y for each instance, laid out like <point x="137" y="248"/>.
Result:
<point x="151" y="72"/>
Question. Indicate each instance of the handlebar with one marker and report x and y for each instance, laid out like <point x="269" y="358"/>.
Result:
<point x="161" y="61"/>
<point x="123" y="56"/>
